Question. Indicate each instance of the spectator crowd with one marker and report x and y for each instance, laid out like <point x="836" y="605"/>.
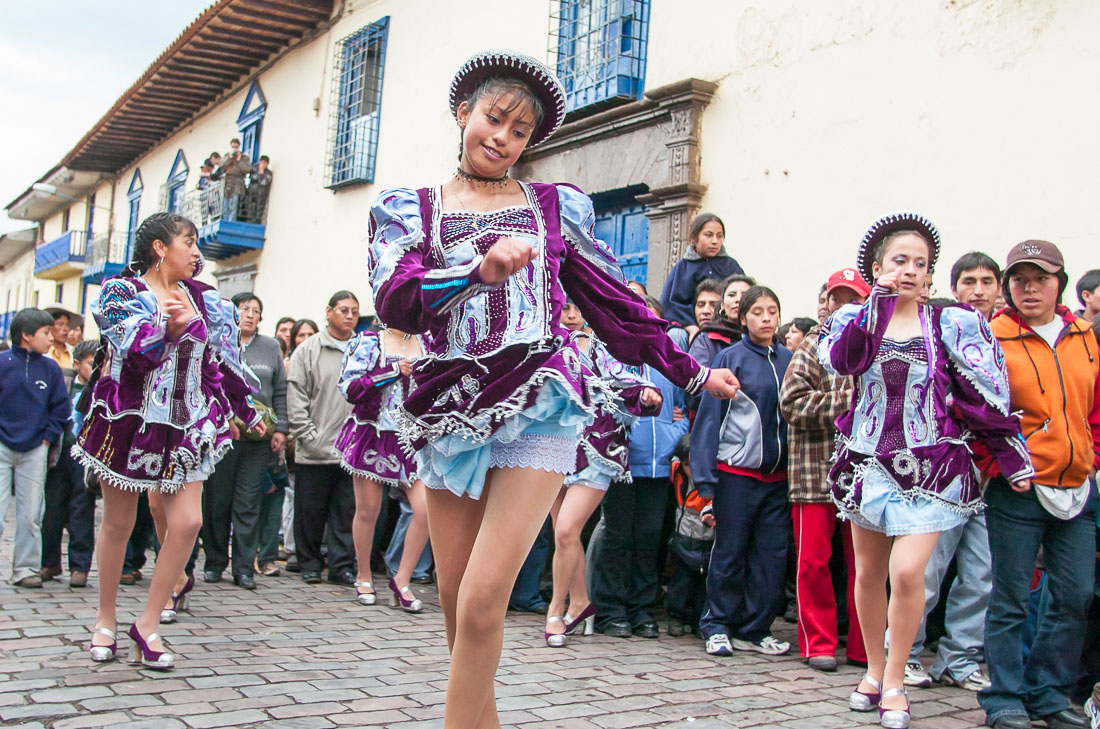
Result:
<point x="725" y="520"/>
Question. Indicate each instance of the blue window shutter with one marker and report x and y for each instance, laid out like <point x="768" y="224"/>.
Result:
<point x="599" y="47"/>
<point x="626" y="232"/>
<point x="356" y="106"/>
<point x="250" y="121"/>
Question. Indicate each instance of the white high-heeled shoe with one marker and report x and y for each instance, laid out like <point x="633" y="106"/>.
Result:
<point x="104" y="653"/>
<point x="555" y="640"/>
<point x="365" y="598"/>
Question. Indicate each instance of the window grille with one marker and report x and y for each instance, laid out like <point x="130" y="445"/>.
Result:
<point x="356" y="106"/>
<point x="599" y="49"/>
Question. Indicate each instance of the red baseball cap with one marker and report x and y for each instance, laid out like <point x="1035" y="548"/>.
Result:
<point x="848" y="278"/>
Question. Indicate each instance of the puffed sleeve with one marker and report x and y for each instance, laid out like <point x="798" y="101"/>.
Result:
<point x="237" y="381"/>
<point x="409" y="292"/>
<point x="130" y="321"/>
<point x="979" y="380"/>
<point x="362" y="369"/>
<point x="593" y="279"/>
<point x="851" y="337"/>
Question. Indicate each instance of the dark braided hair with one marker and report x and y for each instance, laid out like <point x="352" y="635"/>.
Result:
<point x="159" y="226"/>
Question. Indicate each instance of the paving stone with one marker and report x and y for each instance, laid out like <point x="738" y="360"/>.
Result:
<point x="73" y="693"/>
<point x="229" y="718"/>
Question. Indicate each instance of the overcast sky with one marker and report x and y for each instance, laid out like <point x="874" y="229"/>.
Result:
<point x="62" y="65"/>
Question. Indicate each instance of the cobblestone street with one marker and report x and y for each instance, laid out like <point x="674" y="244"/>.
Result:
<point x="294" y="655"/>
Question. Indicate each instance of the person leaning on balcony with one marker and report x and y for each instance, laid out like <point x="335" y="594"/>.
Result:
<point x="259" y="185"/>
<point x="235" y="168"/>
<point x="1054" y="383"/>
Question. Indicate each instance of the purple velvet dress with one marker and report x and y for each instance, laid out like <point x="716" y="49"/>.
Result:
<point x="604" y="448"/>
<point x="902" y="464"/>
<point x="499" y="365"/>
<point x="160" y="411"/>
<point x="371" y="381"/>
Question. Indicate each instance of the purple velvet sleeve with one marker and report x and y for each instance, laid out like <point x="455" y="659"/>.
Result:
<point x="411" y="293"/>
<point x="851" y="337"/>
<point x="979" y="387"/>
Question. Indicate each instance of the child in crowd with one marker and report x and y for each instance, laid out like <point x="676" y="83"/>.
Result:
<point x="35" y="414"/>
<point x="69" y="505"/>
<point x="739" y="459"/>
<point x="723" y="329"/>
<point x="690" y="545"/>
<point x="705" y="258"/>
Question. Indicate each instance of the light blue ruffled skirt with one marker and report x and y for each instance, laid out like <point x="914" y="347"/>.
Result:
<point x="884" y="509"/>
<point x="544" y="436"/>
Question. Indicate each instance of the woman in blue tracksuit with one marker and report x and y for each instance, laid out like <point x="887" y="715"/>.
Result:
<point x="739" y="459"/>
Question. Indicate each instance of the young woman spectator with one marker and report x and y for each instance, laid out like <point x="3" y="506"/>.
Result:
<point x="374" y="379"/>
<point x="725" y="328"/>
<point x="1054" y="380"/>
<point x="705" y="258"/>
<point x="157" y="322"/>
<point x="483" y="263"/>
<point x="302" y="330"/>
<point x="739" y="460"/>
<point x="283" y="328"/>
<point x="928" y="380"/>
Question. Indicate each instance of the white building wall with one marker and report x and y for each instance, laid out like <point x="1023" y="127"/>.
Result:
<point x="825" y="117"/>
<point x="829" y="114"/>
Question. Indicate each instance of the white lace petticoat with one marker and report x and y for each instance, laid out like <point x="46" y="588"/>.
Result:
<point x="551" y="453"/>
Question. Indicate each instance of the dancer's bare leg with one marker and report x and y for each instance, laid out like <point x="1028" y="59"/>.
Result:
<point x="516" y="503"/>
<point x="119" y="513"/>
<point x="416" y="536"/>
<point x="872" y="556"/>
<point x="182" y="512"/>
<point x="368" y="502"/>
<point x="160" y="525"/>
<point x="908" y="561"/>
<point x="574" y="509"/>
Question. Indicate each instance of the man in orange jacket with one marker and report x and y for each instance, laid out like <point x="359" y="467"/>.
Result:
<point x="1054" y="379"/>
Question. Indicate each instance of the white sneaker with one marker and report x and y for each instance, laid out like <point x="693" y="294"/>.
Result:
<point x="916" y="676"/>
<point x="768" y="645"/>
<point x="719" y="645"/>
<point x="975" y="681"/>
<point x="1092" y="711"/>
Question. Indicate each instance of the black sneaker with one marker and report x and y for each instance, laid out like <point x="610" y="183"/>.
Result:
<point x="311" y="578"/>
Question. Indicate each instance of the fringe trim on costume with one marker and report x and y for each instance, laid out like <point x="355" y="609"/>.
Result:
<point x="373" y="476"/>
<point x="118" y="481"/>
<point x="617" y="472"/>
<point x="913" y="495"/>
<point x="412" y="429"/>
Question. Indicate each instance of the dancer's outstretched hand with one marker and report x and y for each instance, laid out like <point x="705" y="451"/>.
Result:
<point x="723" y="384"/>
<point x="506" y="256"/>
<point x="651" y="397"/>
<point x="1022" y="486"/>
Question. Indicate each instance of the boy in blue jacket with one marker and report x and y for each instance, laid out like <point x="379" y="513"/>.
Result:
<point x="35" y="413"/>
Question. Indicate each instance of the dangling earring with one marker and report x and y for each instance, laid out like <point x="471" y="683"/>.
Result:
<point x="159" y="262"/>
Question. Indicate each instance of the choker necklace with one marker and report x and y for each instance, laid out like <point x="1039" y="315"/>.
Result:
<point x="495" y="182"/>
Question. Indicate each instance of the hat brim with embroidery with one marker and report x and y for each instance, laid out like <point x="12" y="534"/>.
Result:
<point x="509" y="64"/>
<point x="894" y="223"/>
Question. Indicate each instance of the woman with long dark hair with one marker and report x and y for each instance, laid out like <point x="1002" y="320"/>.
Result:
<point x="167" y="381"/>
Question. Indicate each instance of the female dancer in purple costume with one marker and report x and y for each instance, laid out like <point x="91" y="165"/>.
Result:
<point x="495" y="409"/>
<point x="374" y="378"/>
<point x="928" y="379"/>
<point x="176" y="339"/>
<point x="601" y="458"/>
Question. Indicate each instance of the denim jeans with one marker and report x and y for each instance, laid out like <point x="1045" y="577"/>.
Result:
<point x="141" y="536"/>
<point x="24" y="475"/>
<point x="960" y="649"/>
<point x="397" y="547"/>
<point x="1018" y="527"/>
<point x="525" y="592"/>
